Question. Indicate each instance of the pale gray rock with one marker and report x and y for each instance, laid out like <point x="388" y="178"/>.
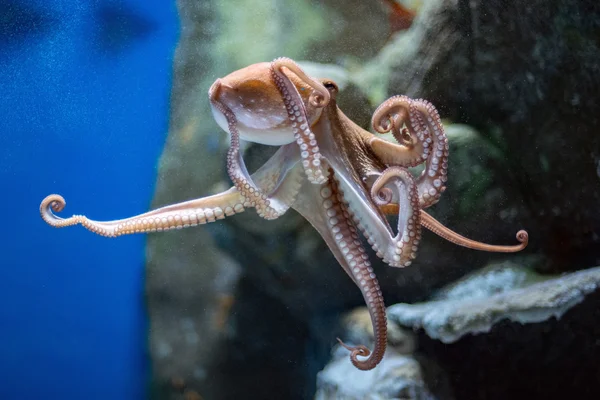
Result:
<point x="398" y="376"/>
<point x="290" y="284"/>
<point x="480" y="301"/>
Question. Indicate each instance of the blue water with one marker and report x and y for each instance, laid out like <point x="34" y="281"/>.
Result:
<point x="85" y="92"/>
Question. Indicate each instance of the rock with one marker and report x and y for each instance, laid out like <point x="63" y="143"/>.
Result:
<point x="483" y="334"/>
<point x="398" y="376"/>
<point x="527" y="81"/>
<point x="188" y="296"/>
<point x="478" y="302"/>
<point x="358" y="329"/>
<point x="275" y="287"/>
<point x="511" y="333"/>
<point x="496" y="278"/>
<point x="212" y="322"/>
<point x="473" y="186"/>
<point x="480" y="203"/>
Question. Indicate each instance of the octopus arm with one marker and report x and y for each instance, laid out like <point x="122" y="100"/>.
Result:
<point x="397" y="154"/>
<point x="280" y="177"/>
<point x="422" y="140"/>
<point x="396" y="249"/>
<point x="400" y="249"/>
<point x="175" y="216"/>
<point x="323" y="206"/>
<point x="439" y="229"/>
<point x="276" y="176"/>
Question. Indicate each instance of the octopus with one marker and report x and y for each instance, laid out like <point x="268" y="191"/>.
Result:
<point x="342" y="178"/>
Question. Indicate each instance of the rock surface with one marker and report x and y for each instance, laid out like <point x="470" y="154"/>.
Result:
<point x="245" y="299"/>
<point x="478" y="302"/>
<point x="539" y="341"/>
<point x="212" y="322"/>
<point x="398" y="376"/>
<point x="528" y="82"/>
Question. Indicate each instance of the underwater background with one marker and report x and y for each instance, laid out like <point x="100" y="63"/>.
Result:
<point x="105" y="102"/>
<point x="85" y="101"/>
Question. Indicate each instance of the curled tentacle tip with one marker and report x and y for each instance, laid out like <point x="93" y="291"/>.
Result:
<point x="383" y="196"/>
<point x="382" y="124"/>
<point x="343" y="344"/>
<point x="407" y="139"/>
<point x="523" y="237"/>
<point x="387" y="115"/>
<point x="54" y="201"/>
<point x="360" y="350"/>
<point x="50" y="205"/>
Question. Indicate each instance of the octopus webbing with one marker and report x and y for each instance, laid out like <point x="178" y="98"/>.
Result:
<point x="343" y="179"/>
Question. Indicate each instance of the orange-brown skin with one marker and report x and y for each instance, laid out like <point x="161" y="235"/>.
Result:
<point x="341" y="178"/>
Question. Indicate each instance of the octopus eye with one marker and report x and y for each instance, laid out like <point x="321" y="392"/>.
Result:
<point x="330" y="85"/>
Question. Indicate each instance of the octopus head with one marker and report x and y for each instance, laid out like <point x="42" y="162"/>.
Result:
<point x="257" y="104"/>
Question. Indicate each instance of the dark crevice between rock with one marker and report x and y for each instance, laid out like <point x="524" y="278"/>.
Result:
<point x="268" y="342"/>
<point x="555" y="359"/>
